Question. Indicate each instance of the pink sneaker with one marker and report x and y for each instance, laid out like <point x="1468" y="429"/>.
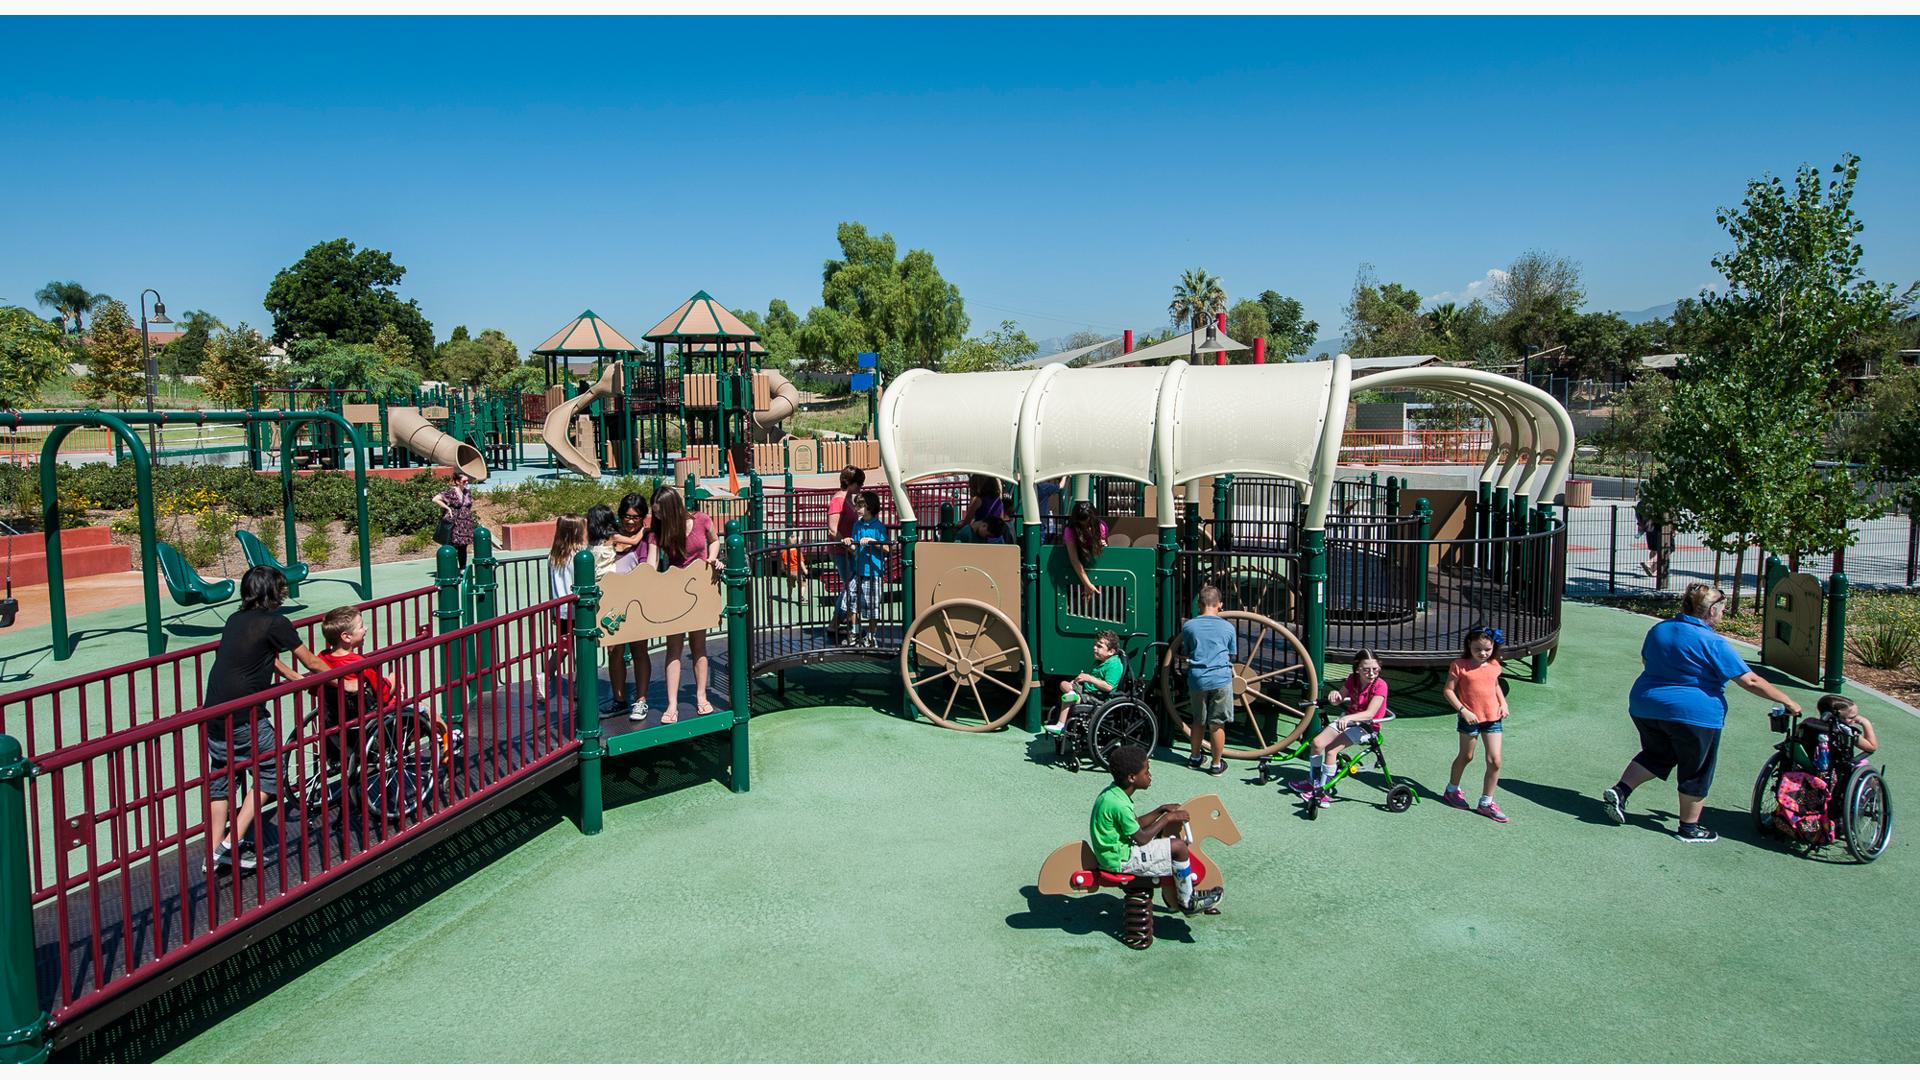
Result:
<point x="1455" y="799"/>
<point x="1323" y="798"/>
<point x="1300" y="787"/>
<point x="1491" y="810"/>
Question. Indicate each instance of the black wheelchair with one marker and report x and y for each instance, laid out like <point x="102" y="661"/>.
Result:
<point x="1102" y="722"/>
<point x="1811" y="803"/>
<point x="388" y="759"/>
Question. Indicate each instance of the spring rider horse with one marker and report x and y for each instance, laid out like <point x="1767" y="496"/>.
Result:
<point x="1072" y="871"/>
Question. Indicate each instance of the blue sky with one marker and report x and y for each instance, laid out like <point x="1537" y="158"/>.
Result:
<point x="1062" y="171"/>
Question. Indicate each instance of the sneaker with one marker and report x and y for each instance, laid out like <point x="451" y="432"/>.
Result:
<point x="1491" y="809"/>
<point x="1616" y="805"/>
<point x="616" y="707"/>
<point x="868" y="642"/>
<point x="1301" y="787"/>
<point x="1055" y="729"/>
<point x="1695" y="833"/>
<point x="638" y="714"/>
<point x="1207" y="900"/>
<point x="1194" y="760"/>
<point x="1218" y="768"/>
<point x="1455" y="799"/>
<point x="223" y="857"/>
<point x="1323" y="797"/>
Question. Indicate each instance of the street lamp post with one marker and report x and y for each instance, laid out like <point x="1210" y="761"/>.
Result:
<point x="146" y="355"/>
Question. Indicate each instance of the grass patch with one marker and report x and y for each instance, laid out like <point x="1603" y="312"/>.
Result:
<point x="846" y="421"/>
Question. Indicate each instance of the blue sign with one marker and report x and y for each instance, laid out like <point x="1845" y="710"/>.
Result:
<point x="862" y="381"/>
<point x="868" y="360"/>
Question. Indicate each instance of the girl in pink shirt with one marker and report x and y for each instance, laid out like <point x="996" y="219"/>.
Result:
<point x="1363" y="702"/>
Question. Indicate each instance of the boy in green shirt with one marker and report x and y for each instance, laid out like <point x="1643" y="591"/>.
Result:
<point x="1150" y="846"/>
<point x="1105" y="674"/>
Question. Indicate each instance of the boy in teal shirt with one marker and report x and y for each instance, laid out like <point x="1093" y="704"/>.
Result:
<point x="1105" y="674"/>
<point x="1148" y="846"/>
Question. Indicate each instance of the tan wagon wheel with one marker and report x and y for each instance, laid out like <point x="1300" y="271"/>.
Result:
<point x="966" y="657"/>
<point x="1272" y="673"/>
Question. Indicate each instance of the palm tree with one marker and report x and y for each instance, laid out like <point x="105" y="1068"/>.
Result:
<point x="1444" y="321"/>
<point x="71" y="300"/>
<point x="1196" y="298"/>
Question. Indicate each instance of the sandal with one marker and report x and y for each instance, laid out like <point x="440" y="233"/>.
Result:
<point x="670" y="716"/>
<point x="705" y="708"/>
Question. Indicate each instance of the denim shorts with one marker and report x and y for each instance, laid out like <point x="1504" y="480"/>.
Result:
<point x="1491" y="727"/>
<point x="256" y="747"/>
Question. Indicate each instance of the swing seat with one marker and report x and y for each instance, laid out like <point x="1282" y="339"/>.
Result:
<point x="189" y="588"/>
<point x="257" y="554"/>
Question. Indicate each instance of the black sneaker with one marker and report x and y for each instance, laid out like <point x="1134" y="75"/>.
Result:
<point x="1692" y="833"/>
<point x="1616" y="805"/>
<point x="1207" y="900"/>
<point x="1218" y="768"/>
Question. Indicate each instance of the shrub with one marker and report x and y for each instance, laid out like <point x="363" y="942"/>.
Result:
<point x="318" y="547"/>
<point x="200" y="550"/>
<point x="1884" y="645"/>
<point x="544" y="500"/>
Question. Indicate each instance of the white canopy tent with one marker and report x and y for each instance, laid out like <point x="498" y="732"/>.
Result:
<point x="1193" y="344"/>
<point x="1161" y="426"/>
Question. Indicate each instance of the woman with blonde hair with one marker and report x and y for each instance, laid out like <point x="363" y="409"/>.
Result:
<point x="1679" y="705"/>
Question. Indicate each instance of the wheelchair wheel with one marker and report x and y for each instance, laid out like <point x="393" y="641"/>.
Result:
<point x="400" y="766"/>
<point x="1869" y="814"/>
<point x="1399" y="798"/>
<point x="1122" y="721"/>
<point x="1765" y="791"/>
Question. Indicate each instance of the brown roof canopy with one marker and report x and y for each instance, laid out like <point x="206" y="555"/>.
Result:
<point x="587" y="335"/>
<point x="702" y="319"/>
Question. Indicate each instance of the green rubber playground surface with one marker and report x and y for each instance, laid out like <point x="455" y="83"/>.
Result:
<point x="872" y="899"/>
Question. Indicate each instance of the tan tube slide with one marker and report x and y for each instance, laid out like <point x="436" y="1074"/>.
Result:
<point x="785" y="399"/>
<point x="571" y="442"/>
<point x="407" y="428"/>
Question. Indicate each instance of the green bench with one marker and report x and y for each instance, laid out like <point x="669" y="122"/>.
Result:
<point x="258" y="555"/>
<point x="187" y="586"/>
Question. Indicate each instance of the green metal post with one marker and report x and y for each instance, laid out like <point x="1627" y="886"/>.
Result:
<point x="1517" y="523"/>
<point x="723" y="387"/>
<point x="1423" y="510"/>
<point x="486" y="590"/>
<point x="286" y="502"/>
<point x="447" y="610"/>
<point x="1776" y="570"/>
<point x="1393" y="495"/>
<point x="1497" y="531"/>
<point x="1313" y="578"/>
<point x="1222" y="510"/>
<point x="692" y="500"/>
<point x="1834" y="679"/>
<point x="23" y="1024"/>
<point x="1373" y="492"/>
<point x="909" y="541"/>
<point x="949" y="525"/>
<point x="739" y="644"/>
<point x="1482" y="524"/>
<point x="1163" y="568"/>
<point x="756" y="504"/>
<point x="50" y="521"/>
<point x="1030" y="573"/>
<point x="586" y="689"/>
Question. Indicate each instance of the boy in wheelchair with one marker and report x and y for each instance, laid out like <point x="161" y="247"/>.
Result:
<point x="1102" y="678"/>
<point x="346" y="706"/>
<point x="1820" y="755"/>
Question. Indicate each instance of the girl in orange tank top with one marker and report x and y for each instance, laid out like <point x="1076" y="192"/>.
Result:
<point x="1473" y="689"/>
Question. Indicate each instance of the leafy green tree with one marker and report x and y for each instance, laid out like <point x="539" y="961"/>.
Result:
<point x="345" y="295"/>
<point x="1535" y="299"/>
<point x="33" y="353"/>
<point x="393" y="345"/>
<point x="346" y="365"/>
<point x="869" y="299"/>
<point x="483" y="361"/>
<point x="236" y="364"/>
<point x="71" y="300"/>
<point x="528" y="378"/>
<point x="116" y="372"/>
<point x="1737" y="460"/>
<point x="1289" y="332"/>
<point x="1000" y="349"/>
<point x="1247" y="320"/>
<point x="183" y="355"/>
<point x="1637" y="417"/>
<point x="1197" y="296"/>
<point x="1384" y="320"/>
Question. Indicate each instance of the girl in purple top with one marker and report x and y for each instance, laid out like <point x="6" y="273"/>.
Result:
<point x="1363" y="702"/>
<point x="1085" y="537"/>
